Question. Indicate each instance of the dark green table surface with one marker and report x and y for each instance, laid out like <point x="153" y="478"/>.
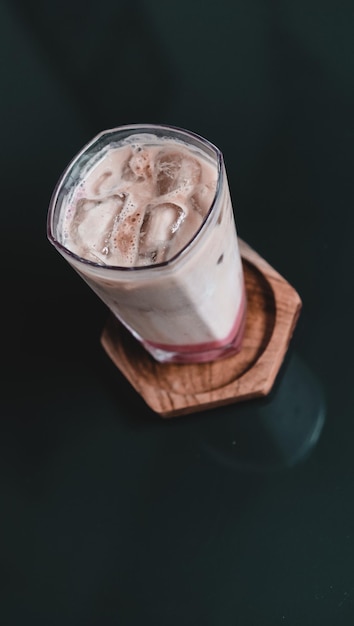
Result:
<point x="240" y="516"/>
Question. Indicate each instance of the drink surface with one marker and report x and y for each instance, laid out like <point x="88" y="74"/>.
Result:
<point x="138" y="203"/>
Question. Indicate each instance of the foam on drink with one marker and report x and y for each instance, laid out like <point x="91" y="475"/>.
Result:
<point x="139" y="202"/>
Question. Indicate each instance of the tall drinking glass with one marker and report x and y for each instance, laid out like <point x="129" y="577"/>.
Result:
<point x="181" y="297"/>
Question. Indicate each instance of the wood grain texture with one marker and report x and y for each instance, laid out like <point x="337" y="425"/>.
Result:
<point x="273" y="308"/>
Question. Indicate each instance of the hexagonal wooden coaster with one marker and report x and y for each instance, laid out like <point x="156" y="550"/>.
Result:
<point x="273" y="308"/>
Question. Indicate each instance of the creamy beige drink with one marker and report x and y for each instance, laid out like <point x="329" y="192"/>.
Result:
<point x="144" y="215"/>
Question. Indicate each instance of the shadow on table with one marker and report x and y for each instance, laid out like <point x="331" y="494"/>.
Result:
<point x="270" y="434"/>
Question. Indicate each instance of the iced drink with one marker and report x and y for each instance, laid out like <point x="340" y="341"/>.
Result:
<point x="143" y="214"/>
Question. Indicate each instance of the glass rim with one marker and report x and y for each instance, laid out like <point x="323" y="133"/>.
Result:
<point x="126" y="128"/>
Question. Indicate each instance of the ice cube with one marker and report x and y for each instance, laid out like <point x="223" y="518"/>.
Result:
<point x="203" y="197"/>
<point x="186" y="231"/>
<point x="161" y="223"/>
<point x="138" y="167"/>
<point x="175" y="170"/>
<point x="167" y="167"/>
<point x="92" y="225"/>
<point x="189" y="174"/>
<point x="104" y="178"/>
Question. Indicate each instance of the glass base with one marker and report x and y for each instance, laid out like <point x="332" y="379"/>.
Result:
<point x="205" y="352"/>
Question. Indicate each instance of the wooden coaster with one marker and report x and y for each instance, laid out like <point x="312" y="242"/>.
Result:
<point x="169" y="389"/>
